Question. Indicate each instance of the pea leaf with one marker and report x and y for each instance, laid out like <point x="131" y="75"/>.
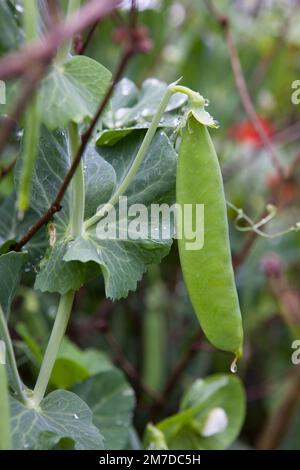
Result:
<point x="52" y="164"/>
<point x="132" y="109"/>
<point x="67" y="372"/>
<point x="11" y="230"/>
<point x="112" y="136"/>
<point x="92" y="360"/>
<point x="70" y="263"/>
<point x="112" y="401"/>
<point x="52" y="441"/>
<point x="74" y="365"/>
<point x="123" y="262"/>
<point x="210" y="417"/>
<point x="128" y="106"/>
<point x="10" y="33"/>
<point x="100" y="181"/>
<point x="56" y="275"/>
<point x="72" y="91"/>
<point x="61" y="413"/>
<point x="11" y="265"/>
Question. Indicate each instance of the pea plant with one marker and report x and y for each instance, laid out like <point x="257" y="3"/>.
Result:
<point x="84" y="141"/>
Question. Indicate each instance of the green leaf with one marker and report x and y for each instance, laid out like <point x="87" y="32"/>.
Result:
<point x="123" y="262"/>
<point x="52" y="441"/>
<point x="70" y="263"/>
<point x="11" y="265"/>
<point x="56" y="275"/>
<point x="155" y="180"/>
<point x="61" y="413"/>
<point x="128" y="107"/>
<point x="10" y="33"/>
<point x="74" y="365"/>
<point x="112" y="401"/>
<point x="67" y="373"/>
<point x="211" y="415"/>
<point x="52" y="164"/>
<point x="126" y="95"/>
<point x="72" y="91"/>
<point x="131" y="109"/>
<point x="47" y="178"/>
<point x="11" y="230"/>
<point x="100" y="181"/>
<point x="111" y="137"/>
<point x="92" y="360"/>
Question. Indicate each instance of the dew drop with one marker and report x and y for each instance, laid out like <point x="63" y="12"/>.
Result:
<point x="19" y="8"/>
<point x="120" y="113"/>
<point x="20" y="215"/>
<point x="75" y="416"/>
<point x="233" y="367"/>
<point x="127" y="392"/>
<point x="146" y="112"/>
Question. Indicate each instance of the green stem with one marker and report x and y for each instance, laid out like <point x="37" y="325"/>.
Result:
<point x="17" y="382"/>
<point x="66" y="301"/>
<point x="5" y="434"/>
<point x="32" y="124"/>
<point x="154" y="331"/>
<point x="193" y="95"/>
<point x="57" y="334"/>
<point x="77" y="188"/>
<point x="66" y="49"/>
<point x="137" y="161"/>
<point x="30" y="20"/>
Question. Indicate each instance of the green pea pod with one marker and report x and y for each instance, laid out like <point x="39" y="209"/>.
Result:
<point x="208" y="272"/>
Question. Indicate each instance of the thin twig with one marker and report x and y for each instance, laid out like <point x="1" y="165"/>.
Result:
<point x="242" y="88"/>
<point x="133" y="17"/>
<point x="81" y="50"/>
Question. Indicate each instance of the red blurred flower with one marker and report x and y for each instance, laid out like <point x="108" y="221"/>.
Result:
<point x="245" y="132"/>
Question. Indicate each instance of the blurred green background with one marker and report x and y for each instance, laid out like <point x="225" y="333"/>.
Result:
<point x="154" y="329"/>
